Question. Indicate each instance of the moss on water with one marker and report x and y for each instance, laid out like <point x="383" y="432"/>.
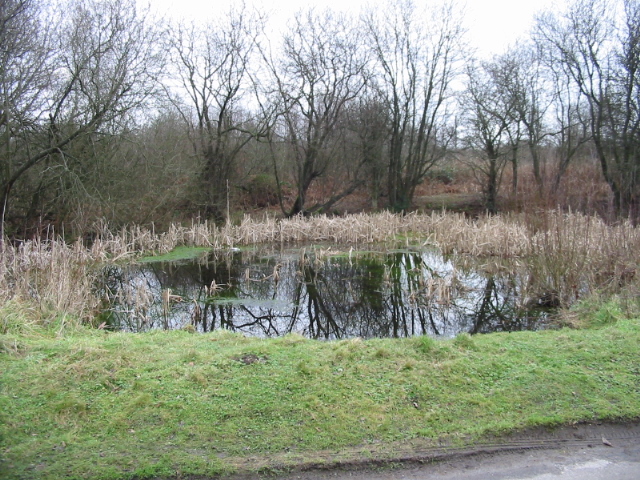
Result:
<point x="177" y="254"/>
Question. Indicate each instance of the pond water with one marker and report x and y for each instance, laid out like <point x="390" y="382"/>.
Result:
<point x="318" y="293"/>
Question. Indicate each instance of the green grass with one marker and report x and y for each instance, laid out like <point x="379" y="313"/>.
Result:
<point x="100" y="405"/>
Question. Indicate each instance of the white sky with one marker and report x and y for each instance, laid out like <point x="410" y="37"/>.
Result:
<point x="493" y="24"/>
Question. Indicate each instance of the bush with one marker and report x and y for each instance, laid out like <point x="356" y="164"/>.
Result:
<point x="261" y="191"/>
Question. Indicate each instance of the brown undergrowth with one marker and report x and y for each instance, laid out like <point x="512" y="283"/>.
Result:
<point x="581" y="189"/>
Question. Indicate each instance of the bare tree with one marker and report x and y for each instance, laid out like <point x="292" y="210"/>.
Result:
<point x="488" y="115"/>
<point x="417" y="53"/>
<point x="568" y="124"/>
<point x="521" y="79"/>
<point x="212" y="68"/>
<point x="505" y="77"/>
<point x="369" y="120"/>
<point x="322" y="70"/>
<point x="79" y="80"/>
<point x="598" y="44"/>
<point x="25" y="53"/>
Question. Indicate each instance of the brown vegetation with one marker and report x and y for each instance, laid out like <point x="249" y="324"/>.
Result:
<point x="565" y="255"/>
<point x="393" y="113"/>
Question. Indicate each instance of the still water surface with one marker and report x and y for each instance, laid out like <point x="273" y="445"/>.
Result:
<point x="319" y="293"/>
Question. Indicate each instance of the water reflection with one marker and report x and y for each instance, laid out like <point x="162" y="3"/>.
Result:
<point x="319" y="295"/>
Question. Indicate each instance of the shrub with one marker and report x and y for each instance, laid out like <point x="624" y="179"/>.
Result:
<point x="261" y="191"/>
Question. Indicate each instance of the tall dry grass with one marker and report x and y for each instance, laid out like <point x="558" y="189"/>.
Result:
<point x="566" y="255"/>
<point x="50" y="278"/>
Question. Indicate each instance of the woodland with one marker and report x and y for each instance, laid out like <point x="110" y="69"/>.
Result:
<point x="111" y="115"/>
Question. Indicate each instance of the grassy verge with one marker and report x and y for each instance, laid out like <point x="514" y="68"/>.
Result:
<point x="92" y="404"/>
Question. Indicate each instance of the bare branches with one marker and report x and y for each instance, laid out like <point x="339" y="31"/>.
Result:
<point x="489" y="115"/>
<point x="212" y="68"/>
<point x="84" y="75"/>
<point x="322" y="69"/>
<point x="417" y="56"/>
<point x="596" y="43"/>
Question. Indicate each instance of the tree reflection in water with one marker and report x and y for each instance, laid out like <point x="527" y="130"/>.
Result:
<point x="397" y="294"/>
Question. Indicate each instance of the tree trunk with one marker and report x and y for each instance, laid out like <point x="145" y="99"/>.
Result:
<point x="3" y="212"/>
<point x="491" y="192"/>
<point x="514" y="170"/>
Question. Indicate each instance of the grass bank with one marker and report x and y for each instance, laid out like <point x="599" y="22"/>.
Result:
<point x="80" y="403"/>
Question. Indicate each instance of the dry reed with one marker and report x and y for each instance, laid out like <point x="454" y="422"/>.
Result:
<point x="50" y="276"/>
<point x="564" y="253"/>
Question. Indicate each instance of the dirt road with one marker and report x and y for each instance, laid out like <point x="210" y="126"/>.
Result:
<point x="584" y="452"/>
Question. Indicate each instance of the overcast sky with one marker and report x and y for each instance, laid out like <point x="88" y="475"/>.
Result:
<point x="492" y="24"/>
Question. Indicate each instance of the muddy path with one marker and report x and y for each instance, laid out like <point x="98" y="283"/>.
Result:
<point x="610" y="450"/>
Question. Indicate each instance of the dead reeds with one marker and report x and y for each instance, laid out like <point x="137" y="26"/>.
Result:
<point x="562" y="254"/>
<point x="50" y="276"/>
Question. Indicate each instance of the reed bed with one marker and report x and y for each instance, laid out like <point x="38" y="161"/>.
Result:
<point x="565" y="255"/>
<point x="53" y="279"/>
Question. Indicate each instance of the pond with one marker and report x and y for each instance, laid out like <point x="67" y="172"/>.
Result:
<point x="324" y="293"/>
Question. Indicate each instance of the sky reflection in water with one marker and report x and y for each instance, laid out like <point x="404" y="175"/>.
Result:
<point x="318" y="294"/>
